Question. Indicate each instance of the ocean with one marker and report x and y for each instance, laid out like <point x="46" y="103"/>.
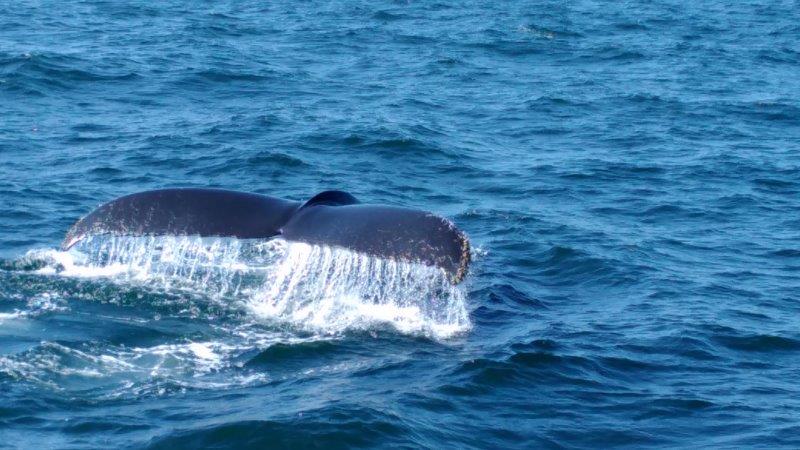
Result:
<point x="628" y="174"/>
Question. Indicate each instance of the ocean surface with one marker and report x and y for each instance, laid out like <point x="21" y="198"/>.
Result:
<point x="628" y="174"/>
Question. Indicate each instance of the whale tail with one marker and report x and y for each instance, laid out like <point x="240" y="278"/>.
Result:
<point x="333" y="218"/>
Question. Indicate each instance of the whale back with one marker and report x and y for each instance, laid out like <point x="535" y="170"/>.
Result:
<point x="186" y="211"/>
<point x="331" y="198"/>
<point x="384" y="231"/>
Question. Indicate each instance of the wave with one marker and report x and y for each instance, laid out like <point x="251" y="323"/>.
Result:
<point x="330" y="426"/>
<point x="117" y="371"/>
<point x="36" y="74"/>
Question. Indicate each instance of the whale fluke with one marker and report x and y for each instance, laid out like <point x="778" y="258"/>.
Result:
<point x="332" y="218"/>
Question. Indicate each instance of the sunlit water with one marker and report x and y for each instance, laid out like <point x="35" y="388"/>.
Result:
<point x="629" y="173"/>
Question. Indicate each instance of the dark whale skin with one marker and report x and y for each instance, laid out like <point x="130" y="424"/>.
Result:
<point x="332" y="218"/>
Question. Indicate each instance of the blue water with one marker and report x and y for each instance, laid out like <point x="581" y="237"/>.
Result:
<point x="628" y="174"/>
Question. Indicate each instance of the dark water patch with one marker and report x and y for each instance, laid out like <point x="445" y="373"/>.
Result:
<point x="106" y="172"/>
<point x="386" y="16"/>
<point x="164" y="142"/>
<point x="547" y="345"/>
<point x="143" y="333"/>
<point x="618" y="55"/>
<point x="430" y="403"/>
<point x="506" y="294"/>
<point x="330" y="427"/>
<point x="106" y="425"/>
<point x="388" y="144"/>
<point x="565" y="266"/>
<point x="484" y="315"/>
<point x="230" y="76"/>
<point x="777" y="185"/>
<point x="221" y="26"/>
<point x="662" y="213"/>
<point x="621" y="368"/>
<point x="19" y="215"/>
<point x="496" y="189"/>
<point x="554" y="103"/>
<point x="41" y="73"/>
<point x="764" y="390"/>
<point x="545" y="368"/>
<point x="675" y="407"/>
<point x="511" y="48"/>
<point x="25" y="421"/>
<point x="760" y="317"/>
<point x="209" y="78"/>
<point x="387" y="370"/>
<point x="127" y="12"/>
<point x="631" y="26"/>
<point x="758" y="343"/>
<point x="786" y="253"/>
<point x="768" y="112"/>
<point x="716" y="290"/>
<point x="291" y="355"/>
<point x="402" y="146"/>
<point x="676" y="346"/>
<point x="276" y="159"/>
<point x="782" y="55"/>
<point x="617" y="437"/>
<point x="90" y="127"/>
<point x="616" y="172"/>
<point x="737" y="201"/>
<point x="449" y="61"/>
<point x="22" y="264"/>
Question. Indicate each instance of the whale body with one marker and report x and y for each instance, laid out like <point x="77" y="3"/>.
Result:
<point x="333" y="218"/>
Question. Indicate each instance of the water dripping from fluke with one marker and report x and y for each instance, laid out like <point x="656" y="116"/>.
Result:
<point x="315" y="288"/>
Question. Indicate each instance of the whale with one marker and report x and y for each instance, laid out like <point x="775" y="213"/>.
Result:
<point x="330" y="218"/>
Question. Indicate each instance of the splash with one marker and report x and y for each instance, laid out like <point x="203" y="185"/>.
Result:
<point x="314" y="288"/>
<point x="319" y="292"/>
<point x="43" y="303"/>
<point x="335" y="289"/>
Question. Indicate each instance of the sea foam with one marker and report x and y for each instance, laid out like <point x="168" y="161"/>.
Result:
<point x="315" y="288"/>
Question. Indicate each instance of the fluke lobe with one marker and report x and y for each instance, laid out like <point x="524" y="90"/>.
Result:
<point x="333" y="218"/>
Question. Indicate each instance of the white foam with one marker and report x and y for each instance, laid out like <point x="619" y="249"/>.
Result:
<point x="333" y="290"/>
<point x="9" y="316"/>
<point x="40" y="304"/>
<point x="316" y="288"/>
<point x="147" y="370"/>
<point x="203" y="351"/>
